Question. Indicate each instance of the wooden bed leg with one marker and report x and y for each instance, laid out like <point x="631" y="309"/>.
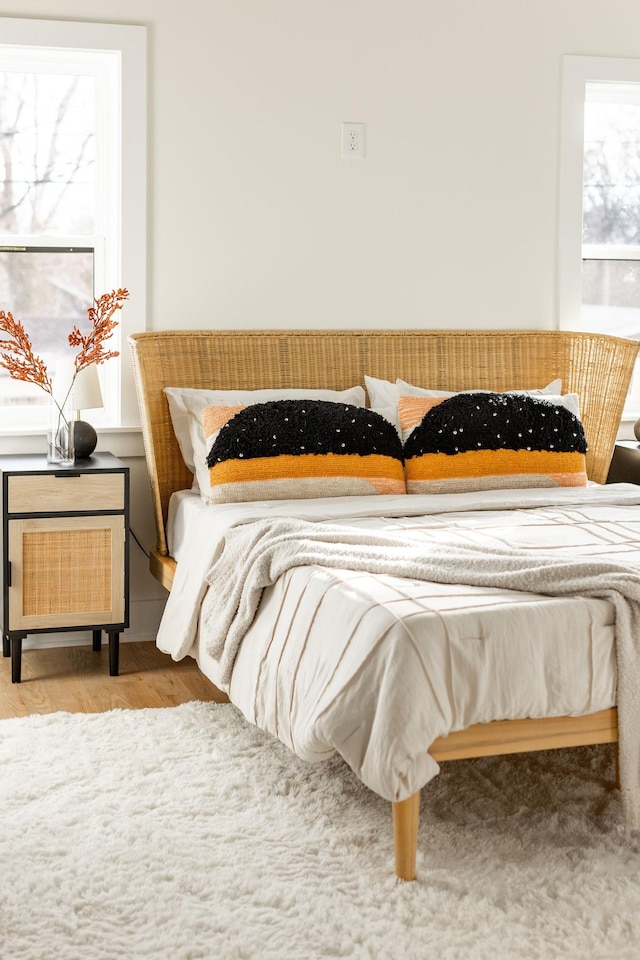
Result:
<point x="405" y="835"/>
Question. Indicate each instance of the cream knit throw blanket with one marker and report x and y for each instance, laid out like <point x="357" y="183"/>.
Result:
<point x="253" y="556"/>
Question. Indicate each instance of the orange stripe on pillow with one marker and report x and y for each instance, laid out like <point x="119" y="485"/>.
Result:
<point x="483" y="463"/>
<point x="285" y="466"/>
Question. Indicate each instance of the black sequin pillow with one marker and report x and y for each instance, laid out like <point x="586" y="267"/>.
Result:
<point x="482" y="441"/>
<point x="297" y="449"/>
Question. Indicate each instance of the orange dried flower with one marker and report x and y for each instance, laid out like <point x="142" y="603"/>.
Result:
<point x="17" y="356"/>
<point x="19" y="360"/>
<point x="102" y="326"/>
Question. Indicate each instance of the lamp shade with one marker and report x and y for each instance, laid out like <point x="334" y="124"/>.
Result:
<point x="62" y="379"/>
<point x="87" y="394"/>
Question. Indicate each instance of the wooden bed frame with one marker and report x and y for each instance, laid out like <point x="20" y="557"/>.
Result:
<point x="596" y="367"/>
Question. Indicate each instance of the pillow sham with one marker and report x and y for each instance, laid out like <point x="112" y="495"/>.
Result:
<point x="383" y="398"/>
<point x="186" y="405"/>
<point x="408" y="389"/>
<point x="298" y="449"/>
<point x="384" y="395"/>
<point x="483" y="441"/>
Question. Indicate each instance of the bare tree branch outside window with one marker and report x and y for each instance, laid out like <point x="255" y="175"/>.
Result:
<point x="47" y="193"/>
<point x="611" y="216"/>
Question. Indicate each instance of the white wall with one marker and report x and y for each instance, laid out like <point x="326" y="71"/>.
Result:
<point x="450" y="221"/>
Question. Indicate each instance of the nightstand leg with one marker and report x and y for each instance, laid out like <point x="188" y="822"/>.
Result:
<point x="6" y="647"/>
<point x="97" y="640"/>
<point x="16" y="659"/>
<point x="114" y="654"/>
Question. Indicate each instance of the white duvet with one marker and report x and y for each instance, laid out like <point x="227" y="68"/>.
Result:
<point x="377" y="667"/>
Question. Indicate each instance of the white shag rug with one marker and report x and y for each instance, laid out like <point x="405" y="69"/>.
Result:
<point x="185" y="833"/>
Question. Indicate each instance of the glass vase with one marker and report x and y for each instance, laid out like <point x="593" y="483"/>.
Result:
<point x="60" y="446"/>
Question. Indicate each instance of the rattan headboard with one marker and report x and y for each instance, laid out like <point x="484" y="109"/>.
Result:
<point x="595" y="366"/>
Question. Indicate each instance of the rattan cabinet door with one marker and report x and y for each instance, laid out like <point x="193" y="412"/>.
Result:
<point x="66" y="572"/>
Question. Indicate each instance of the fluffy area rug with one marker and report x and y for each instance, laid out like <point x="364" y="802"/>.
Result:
<point x="185" y="833"/>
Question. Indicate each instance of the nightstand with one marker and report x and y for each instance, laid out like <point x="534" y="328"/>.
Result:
<point x="65" y="551"/>
<point x="625" y="463"/>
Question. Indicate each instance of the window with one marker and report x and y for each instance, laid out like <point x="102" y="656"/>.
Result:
<point x="599" y="241"/>
<point x="72" y="196"/>
<point x="48" y="289"/>
<point x="611" y="208"/>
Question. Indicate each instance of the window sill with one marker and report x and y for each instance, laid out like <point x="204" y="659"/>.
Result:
<point x="121" y="441"/>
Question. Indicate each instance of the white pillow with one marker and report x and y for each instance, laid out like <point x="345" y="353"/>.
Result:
<point x="384" y="395"/>
<point x="408" y="390"/>
<point x="186" y="405"/>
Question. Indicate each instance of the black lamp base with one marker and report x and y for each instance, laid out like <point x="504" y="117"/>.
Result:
<point x="84" y="439"/>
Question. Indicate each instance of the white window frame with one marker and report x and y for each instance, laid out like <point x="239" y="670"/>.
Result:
<point x="126" y="265"/>
<point x="577" y="72"/>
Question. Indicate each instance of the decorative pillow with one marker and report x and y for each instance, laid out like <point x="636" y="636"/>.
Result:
<point x="384" y="395"/>
<point x="297" y="449"/>
<point x="483" y="441"/>
<point x="412" y="410"/>
<point x="186" y="405"/>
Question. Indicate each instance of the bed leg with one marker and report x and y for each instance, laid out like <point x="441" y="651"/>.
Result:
<point x="405" y="835"/>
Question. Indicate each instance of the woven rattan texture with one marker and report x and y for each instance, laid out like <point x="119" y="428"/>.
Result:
<point x="596" y="367"/>
<point x="56" y="564"/>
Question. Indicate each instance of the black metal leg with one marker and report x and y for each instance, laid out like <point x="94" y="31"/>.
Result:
<point x="16" y="659"/>
<point x="6" y="647"/>
<point x="97" y="640"/>
<point x="114" y="654"/>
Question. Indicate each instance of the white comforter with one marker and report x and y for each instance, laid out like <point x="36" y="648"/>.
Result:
<point x="360" y="663"/>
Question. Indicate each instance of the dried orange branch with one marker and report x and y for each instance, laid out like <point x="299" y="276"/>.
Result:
<point x="17" y="356"/>
<point x="20" y="362"/>
<point x="103" y="325"/>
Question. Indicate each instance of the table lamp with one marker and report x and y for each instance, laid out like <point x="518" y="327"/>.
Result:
<point x="87" y="395"/>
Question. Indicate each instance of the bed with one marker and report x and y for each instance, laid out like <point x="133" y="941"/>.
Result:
<point x="596" y="368"/>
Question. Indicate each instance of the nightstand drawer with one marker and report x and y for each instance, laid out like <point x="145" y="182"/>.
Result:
<point x="40" y="493"/>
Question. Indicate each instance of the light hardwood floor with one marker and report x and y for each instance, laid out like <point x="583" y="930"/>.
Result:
<point x="77" y="680"/>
